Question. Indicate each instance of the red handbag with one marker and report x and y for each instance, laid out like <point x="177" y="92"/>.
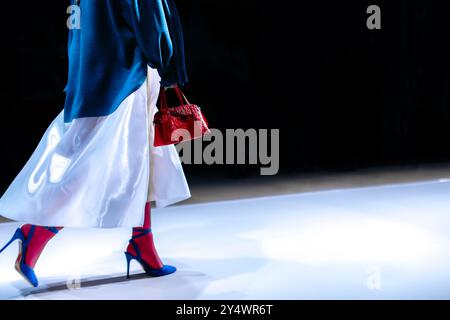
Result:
<point x="176" y="124"/>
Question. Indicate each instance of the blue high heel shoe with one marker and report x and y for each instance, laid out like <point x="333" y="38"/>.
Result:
<point x="24" y="270"/>
<point x="165" y="270"/>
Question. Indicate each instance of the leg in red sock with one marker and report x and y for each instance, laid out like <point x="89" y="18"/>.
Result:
<point x="147" y="216"/>
<point x="41" y="236"/>
<point x="33" y="240"/>
<point x="143" y="237"/>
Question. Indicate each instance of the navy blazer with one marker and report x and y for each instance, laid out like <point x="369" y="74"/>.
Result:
<point x="110" y="52"/>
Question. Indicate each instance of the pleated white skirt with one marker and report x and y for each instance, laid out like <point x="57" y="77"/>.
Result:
<point x="98" y="172"/>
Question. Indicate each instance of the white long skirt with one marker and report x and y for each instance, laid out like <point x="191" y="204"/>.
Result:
<point x="98" y="172"/>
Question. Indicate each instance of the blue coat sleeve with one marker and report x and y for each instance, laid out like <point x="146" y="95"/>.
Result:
<point x="159" y="35"/>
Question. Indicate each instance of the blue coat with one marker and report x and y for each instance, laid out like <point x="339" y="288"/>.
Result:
<point x="109" y="53"/>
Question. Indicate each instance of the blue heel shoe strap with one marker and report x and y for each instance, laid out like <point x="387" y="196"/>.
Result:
<point x="136" y="248"/>
<point x="142" y="232"/>
<point x="52" y="229"/>
<point x="29" y="237"/>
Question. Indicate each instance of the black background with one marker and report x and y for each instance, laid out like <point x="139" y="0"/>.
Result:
<point x="344" y="97"/>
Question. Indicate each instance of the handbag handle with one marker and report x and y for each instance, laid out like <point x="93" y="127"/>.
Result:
<point x="163" y="98"/>
<point x="181" y="97"/>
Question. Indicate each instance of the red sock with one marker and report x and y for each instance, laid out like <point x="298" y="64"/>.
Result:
<point x="147" y="220"/>
<point x="39" y="240"/>
<point x="146" y="243"/>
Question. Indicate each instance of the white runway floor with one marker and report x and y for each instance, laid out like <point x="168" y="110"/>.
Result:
<point x="390" y="242"/>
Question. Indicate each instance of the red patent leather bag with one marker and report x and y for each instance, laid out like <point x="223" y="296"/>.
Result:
<point x="180" y="123"/>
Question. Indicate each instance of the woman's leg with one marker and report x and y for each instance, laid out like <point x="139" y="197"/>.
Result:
<point x="142" y="245"/>
<point x="147" y="216"/>
<point x="40" y="237"/>
<point x="143" y="238"/>
<point x="33" y="240"/>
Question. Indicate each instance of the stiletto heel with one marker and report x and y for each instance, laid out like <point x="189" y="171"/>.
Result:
<point x="129" y="258"/>
<point x="18" y="235"/>
<point x="149" y="270"/>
